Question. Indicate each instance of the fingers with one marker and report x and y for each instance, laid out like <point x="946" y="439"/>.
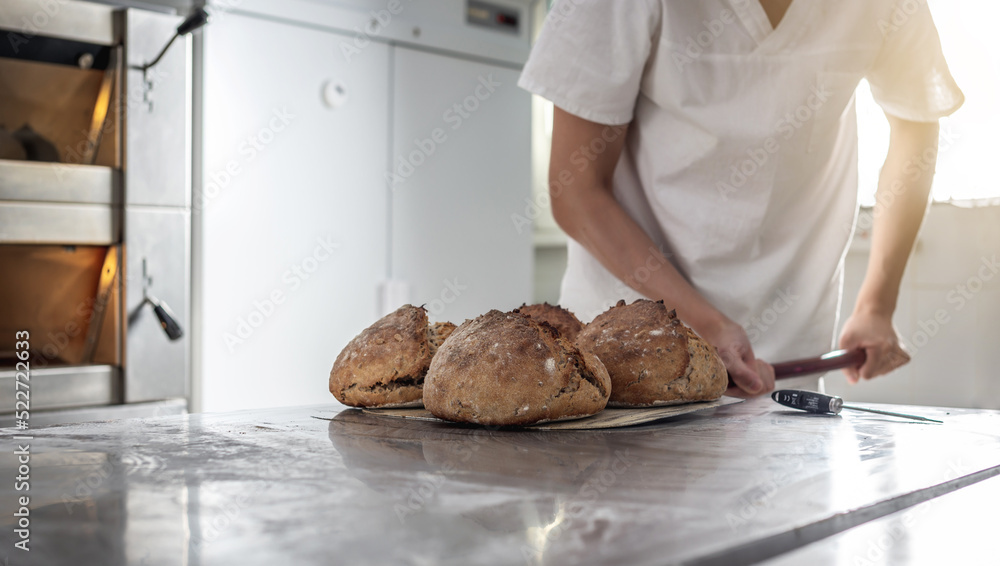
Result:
<point x="735" y="391"/>
<point x="766" y="373"/>
<point x="848" y="341"/>
<point x="882" y="359"/>
<point x="745" y="376"/>
<point x="876" y="334"/>
<point x="737" y="354"/>
<point x="852" y="374"/>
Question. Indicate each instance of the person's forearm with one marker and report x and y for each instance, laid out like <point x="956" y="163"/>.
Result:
<point x="588" y="212"/>
<point x="595" y="219"/>
<point x="902" y="200"/>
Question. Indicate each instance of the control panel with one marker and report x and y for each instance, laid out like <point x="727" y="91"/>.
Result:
<point x="493" y="16"/>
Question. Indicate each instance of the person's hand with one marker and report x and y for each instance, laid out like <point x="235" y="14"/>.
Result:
<point x="765" y="371"/>
<point x="751" y="376"/>
<point x="875" y="334"/>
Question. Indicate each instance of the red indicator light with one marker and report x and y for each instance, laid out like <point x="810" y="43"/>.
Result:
<point x="507" y="19"/>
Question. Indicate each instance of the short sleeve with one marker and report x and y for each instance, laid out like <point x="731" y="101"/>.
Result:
<point x="590" y="57"/>
<point x="910" y="78"/>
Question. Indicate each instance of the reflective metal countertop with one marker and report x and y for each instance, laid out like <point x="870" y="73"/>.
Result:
<point x="732" y="485"/>
<point x="956" y="528"/>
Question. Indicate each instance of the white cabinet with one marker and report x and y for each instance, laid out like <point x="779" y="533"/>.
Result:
<point x="460" y="172"/>
<point x="321" y="176"/>
<point x="290" y="217"/>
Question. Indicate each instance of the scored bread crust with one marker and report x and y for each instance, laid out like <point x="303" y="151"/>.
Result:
<point x="652" y="357"/>
<point x="561" y="319"/>
<point x="385" y="365"/>
<point x="437" y="333"/>
<point x="507" y="369"/>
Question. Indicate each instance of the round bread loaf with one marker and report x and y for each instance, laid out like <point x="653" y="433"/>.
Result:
<point x="559" y="318"/>
<point x="507" y="369"/>
<point x="652" y="357"/>
<point x="385" y="365"/>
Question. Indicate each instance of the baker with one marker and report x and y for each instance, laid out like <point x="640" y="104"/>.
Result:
<point x="729" y="186"/>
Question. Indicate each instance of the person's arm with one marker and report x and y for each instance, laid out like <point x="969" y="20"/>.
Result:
<point x="588" y="212"/>
<point x="903" y="190"/>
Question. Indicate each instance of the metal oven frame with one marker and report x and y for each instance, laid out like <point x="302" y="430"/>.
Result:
<point x="142" y="205"/>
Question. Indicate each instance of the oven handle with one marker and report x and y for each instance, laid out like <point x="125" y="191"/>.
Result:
<point x="167" y="321"/>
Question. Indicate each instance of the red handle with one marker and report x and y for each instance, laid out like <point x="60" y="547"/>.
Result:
<point x="837" y="359"/>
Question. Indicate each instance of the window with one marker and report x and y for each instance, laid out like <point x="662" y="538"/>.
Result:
<point x="968" y="144"/>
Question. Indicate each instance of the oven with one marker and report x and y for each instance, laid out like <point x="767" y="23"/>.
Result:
<point x="95" y="214"/>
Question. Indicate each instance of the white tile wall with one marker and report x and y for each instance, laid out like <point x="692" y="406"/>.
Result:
<point x="954" y="363"/>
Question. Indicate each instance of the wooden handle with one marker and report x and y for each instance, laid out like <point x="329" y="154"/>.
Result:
<point x="837" y="359"/>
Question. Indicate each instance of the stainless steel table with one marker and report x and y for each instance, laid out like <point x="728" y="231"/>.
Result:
<point x="733" y="485"/>
<point x="956" y="528"/>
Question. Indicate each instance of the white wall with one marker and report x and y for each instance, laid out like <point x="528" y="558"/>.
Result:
<point x="955" y="363"/>
<point x="550" y="264"/>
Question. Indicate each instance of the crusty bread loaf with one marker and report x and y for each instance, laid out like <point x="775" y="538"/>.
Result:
<point x="385" y="365"/>
<point x="561" y="319"/>
<point x="652" y="357"/>
<point x="507" y="369"/>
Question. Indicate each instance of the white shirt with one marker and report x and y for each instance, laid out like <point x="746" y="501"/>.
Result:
<point x="741" y="156"/>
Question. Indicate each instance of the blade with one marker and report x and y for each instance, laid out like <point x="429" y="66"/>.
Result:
<point x="891" y="414"/>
